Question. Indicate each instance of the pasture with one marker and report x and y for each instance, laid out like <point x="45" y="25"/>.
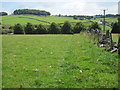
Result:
<point x="11" y="20"/>
<point x="115" y="37"/>
<point x="56" y="61"/>
<point x="24" y="19"/>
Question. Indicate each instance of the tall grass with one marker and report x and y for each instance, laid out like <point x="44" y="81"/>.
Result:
<point x="57" y="61"/>
<point x="23" y="19"/>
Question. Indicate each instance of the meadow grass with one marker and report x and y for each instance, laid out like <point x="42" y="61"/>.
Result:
<point x="115" y="37"/>
<point x="23" y="19"/>
<point x="56" y="61"/>
<point x="10" y="20"/>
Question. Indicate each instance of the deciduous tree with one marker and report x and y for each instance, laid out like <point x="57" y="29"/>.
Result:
<point x="41" y="29"/>
<point x="53" y="29"/>
<point x="29" y="29"/>
<point x="18" y="29"/>
<point x="78" y="27"/>
<point x="66" y="28"/>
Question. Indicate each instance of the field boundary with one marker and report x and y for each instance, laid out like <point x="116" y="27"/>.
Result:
<point x="36" y="19"/>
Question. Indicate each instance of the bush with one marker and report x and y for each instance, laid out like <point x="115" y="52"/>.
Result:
<point x="41" y="29"/>
<point x="3" y="13"/>
<point x="78" y="27"/>
<point x="18" y="29"/>
<point x="3" y="32"/>
<point x="3" y="27"/>
<point x="11" y="31"/>
<point x="115" y="28"/>
<point x="53" y="29"/>
<point x="75" y="17"/>
<point x="66" y="28"/>
<point x="29" y="29"/>
<point x="94" y="26"/>
<point x="11" y="27"/>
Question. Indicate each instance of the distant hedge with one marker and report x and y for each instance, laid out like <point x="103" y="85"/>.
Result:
<point x="53" y="28"/>
<point x="3" y="13"/>
<point x="31" y="11"/>
<point x="18" y="29"/>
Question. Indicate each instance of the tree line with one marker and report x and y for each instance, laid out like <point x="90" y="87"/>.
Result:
<point x="53" y="28"/>
<point x="3" y="13"/>
<point x="31" y="11"/>
<point x="28" y="11"/>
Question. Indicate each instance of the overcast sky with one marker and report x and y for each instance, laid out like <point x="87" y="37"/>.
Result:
<point x="64" y="7"/>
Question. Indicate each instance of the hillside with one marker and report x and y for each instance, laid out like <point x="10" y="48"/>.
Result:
<point x="34" y="19"/>
<point x="23" y="19"/>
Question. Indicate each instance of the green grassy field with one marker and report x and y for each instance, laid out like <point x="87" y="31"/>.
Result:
<point x="56" y="61"/>
<point x="23" y="19"/>
<point x="10" y="20"/>
<point x="115" y="37"/>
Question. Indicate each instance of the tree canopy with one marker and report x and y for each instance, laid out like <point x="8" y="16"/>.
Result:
<point x="41" y="29"/>
<point x="29" y="29"/>
<point x="66" y="28"/>
<point x="3" y="13"/>
<point x="53" y="29"/>
<point x="94" y="26"/>
<point x="78" y="27"/>
<point x="115" y="28"/>
<point x="18" y="29"/>
<point x="31" y="11"/>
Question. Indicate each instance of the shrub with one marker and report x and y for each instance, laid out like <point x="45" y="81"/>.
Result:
<point x="3" y="27"/>
<point x="41" y="29"/>
<point x="78" y="27"/>
<point x="53" y="29"/>
<point x="18" y="29"/>
<point x="66" y="28"/>
<point x="11" y="31"/>
<point x="75" y="17"/>
<point x="11" y="27"/>
<point x="3" y="32"/>
<point x="3" y="13"/>
<point x="94" y="26"/>
<point x="115" y="28"/>
<point x="29" y="29"/>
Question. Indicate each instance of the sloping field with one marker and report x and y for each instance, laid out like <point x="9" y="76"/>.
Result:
<point x="54" y="61"/>
<point x="23" y="19"/>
